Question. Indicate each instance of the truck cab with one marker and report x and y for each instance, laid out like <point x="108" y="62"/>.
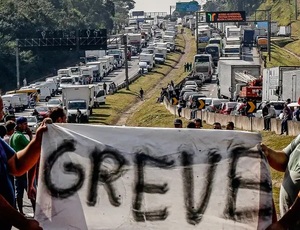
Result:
<point x="232" y="51"/>
<point x="203" y="63"/>
<point x="215" y="51"/>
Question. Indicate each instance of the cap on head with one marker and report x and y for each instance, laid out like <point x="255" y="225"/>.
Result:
<point x="21" y="120"/>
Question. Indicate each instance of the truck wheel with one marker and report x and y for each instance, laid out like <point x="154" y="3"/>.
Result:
<point x="47" y="99"/>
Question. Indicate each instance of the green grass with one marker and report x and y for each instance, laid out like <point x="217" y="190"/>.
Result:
<point x="281" y="11"/>
<point x="152" y="114"/>
<point x="121" y="101"/>
<point x="280" y="57"/>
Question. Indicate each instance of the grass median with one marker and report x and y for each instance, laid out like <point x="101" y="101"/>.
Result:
<point x="121" y="101"/>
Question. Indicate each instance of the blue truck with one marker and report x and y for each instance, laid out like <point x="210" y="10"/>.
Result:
<point x="248" y="38"/>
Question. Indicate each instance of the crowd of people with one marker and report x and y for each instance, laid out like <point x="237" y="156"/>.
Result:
<point x="197" y="124"/>
<point x="287" y="114"/>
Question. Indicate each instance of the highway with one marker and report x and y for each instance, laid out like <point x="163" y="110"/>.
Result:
<point x="117" y="76"/>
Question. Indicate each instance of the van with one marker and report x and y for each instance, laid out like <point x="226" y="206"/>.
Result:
<point x="24" y="99"/>
<point x="14" y="101"/>
<point x="28" y="91"/>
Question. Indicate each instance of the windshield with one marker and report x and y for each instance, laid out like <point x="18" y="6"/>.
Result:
<point x="215" y="42"/>
<point x="74" y="70"/>
<point x="91" y="59"/>
<point x="31" y="119"/>
<point x="159" y="55"/>
<point x="212" y="50"/>
<point x="77" y="105"/>
<point x="53" y="102"/>
<point x="41" y="109"/>
<point x="66" y="81"/>
<point x="232" y="50"/>
<point x="201" y="59"/>
<point x="278" y="106"/>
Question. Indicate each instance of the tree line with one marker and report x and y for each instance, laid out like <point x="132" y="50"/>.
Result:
<point x="20" y="17"/>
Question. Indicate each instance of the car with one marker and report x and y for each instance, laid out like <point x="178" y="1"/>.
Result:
<point x="43" y="112"/>
<point x="54" y="102"/>
<point x="33" y="123"/>
<point x="227" y="107"/>
<point x="215" y="105"/>
<point x="190" y="87"/>
<point x="277" y="105"/>
<point x="191" y="83"/>
<point x="238" y="109"/>
<point x="192" y="98"/>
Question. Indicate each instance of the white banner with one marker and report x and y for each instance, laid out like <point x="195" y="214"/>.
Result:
<point x="101" y="177"/>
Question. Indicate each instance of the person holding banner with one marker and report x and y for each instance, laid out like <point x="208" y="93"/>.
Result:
<point x="16" y="164"/>
<point x="287" y="160"/>
<point x="58" y="115"/>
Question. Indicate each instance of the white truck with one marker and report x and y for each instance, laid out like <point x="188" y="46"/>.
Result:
<point x="119" y="56"/>
<point x="134" y="39"/>
<point x="75" y="70"/>
<point x="203" y="66"/>
<point x="86" y="74"/>
<point x="281" y="83"/>
<point x="100" y="73"/>
<point x="52" y="86"/>
<point x="13" y="100"/>
<point x="95" y="53"/>
<point x="228" y="75"/>
<point x="77" y="98"/>
<point x="99" y="95"/>
<point x="147" y="58"/>
<point x="108" y="66"/>
<point x="44" y="92"/>
<point x="62" y="73"/>
<point x="284" y="31"/>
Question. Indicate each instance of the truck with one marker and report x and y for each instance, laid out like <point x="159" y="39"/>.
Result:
<point x="229" y="71"/>
<point x="44" y="92"/>
<point x="13" y="100"/>
<point x="94" y="53"/>
<point x="77" y="98"/>
<point x="134" y="39"/>
<point x="149" y="59"/>
<point x="248" y="38"/>
<point x="281" y="83"/>
<point x="203" y="66"/>
<point x="284" y="31"/>
<point x="119" y="56"/>
<point x="262" y="44"/>
<point x="215" y="51"/>
<point x="100" y="73"/>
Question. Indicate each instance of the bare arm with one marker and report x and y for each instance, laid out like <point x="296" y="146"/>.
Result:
<point x="10" y="215"/>
<point x="277" y="159"/>
<point x="289" y="219"/>
<point x="25" y="159"/>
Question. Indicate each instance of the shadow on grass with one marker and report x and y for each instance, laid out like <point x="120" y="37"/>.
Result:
<point x="128" y="92"/>
<point x="157" y="72"/>
<point x="166" y="64"/>
<point x="99" y="116"/>
<point x="98" y="122"/>
<point x="171" y="59"/>
<point x="282" y="43"/>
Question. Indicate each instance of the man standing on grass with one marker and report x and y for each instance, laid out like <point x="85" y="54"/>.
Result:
<point x="142" y="94"/>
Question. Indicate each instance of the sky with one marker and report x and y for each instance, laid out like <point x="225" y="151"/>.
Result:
<point x="156" y="5"/>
